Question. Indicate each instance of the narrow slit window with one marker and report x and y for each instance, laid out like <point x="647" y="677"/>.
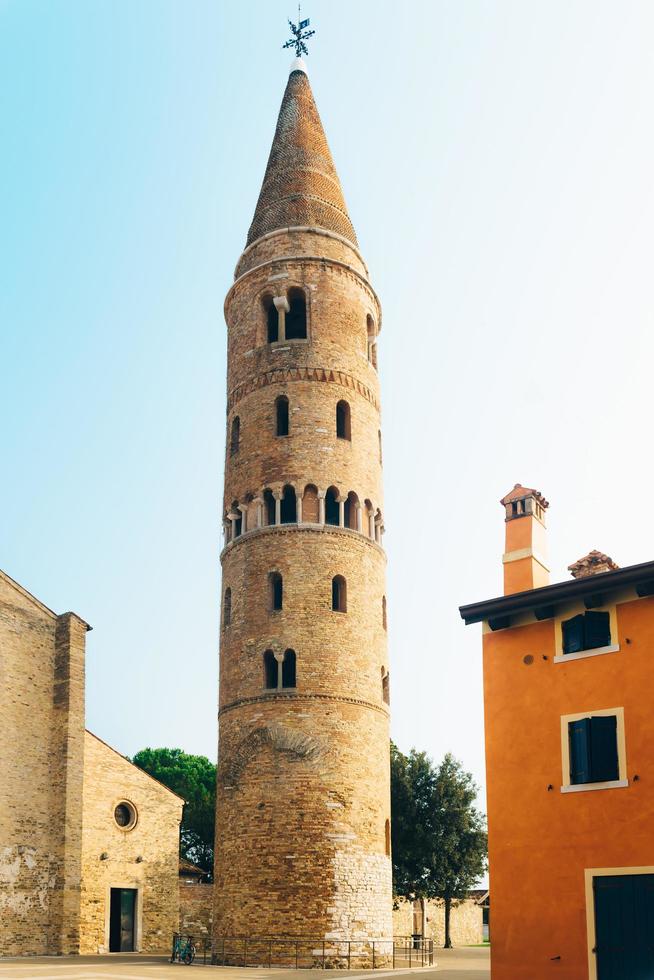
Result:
<point x="386" y="686"/>
<point x="272" y="320"/>
<point x="288" y="669"/>
<point x="235" y="436"/>
<point x="270" y="670"/>
<point x="238" y="523"/>
<point x="310" y="505"/>
<point x="276" y="591"/>
<point x="332" y="515"/>
<point x="351" y="510"/>
<point x="227" y="607"/>
<point x="343" y="428"/>
<point x="268" y="507"/>
<point x="339" y="594"/>
<point x="281" y="416"/>
<point x="372" y="341"/>
<point x="296" y="318"/>
<point x="289" y="506"/>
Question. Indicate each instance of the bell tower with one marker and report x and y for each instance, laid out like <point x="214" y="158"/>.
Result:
<point x="303" y="806"/>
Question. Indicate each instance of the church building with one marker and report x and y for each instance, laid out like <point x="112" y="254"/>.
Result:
<point x="89" y="843"/>
<point x="303" y="806"/>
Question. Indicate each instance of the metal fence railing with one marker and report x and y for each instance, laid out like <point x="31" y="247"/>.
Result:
<point x="306" y="952"/>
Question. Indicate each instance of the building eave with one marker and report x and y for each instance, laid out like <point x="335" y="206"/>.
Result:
<point x="542" y="601"/>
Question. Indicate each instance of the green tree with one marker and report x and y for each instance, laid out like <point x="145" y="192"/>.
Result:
<point x="438" y="836"/>
<point x="193" y="777"/>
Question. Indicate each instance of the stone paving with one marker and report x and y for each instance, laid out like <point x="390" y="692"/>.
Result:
<point x="472" y="963"/>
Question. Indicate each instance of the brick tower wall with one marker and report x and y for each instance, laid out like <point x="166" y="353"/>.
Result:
<point x="302" y="845"/>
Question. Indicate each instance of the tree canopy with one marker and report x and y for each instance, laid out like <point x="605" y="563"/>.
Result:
<point x="194" y="778"/>
<point x="439" y="838"/>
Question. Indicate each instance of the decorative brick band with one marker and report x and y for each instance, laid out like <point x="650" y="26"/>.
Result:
<point x="292" y="696"/>
<point x="285" y="375"/>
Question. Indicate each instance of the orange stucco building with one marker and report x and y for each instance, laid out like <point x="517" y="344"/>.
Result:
<point x="568" y="687"/>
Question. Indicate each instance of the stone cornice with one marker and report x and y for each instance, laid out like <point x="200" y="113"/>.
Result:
<point x="305" y="229"/>
<point x="302" y="528"/>
<point x="285" y="375"/>
<point x="294" y="696"/>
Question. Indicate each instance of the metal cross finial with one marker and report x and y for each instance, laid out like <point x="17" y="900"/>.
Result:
<point x="300" y="35"/>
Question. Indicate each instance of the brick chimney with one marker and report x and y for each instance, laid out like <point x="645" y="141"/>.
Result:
<point x="526" y="545"/>
<point x="593" y="563"/>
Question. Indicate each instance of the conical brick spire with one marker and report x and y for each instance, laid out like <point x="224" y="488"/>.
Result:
<point x="301" y="186"/>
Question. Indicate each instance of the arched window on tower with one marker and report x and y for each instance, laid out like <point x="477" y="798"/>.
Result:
<point x="351" y="510"/>
<point x="310" y="505"/>
<point x="238" y="523"/>
<point x="235" y="436"/>
<point x="387" y="837"/>
<point x="227" y="607"/>
<point x="272" y="319"/>
<point x="276" y="584"/>
<point x="384" y="612"/>
<point x="386" y="686"/>
<point x="339" y="594"/>
<point x="369" y="519"/>
<point x="289" y="505"/>
<point x="250" y="513"/>
<point x="331" y="507"/>
<point x="343" y="429"/>
<point x="281" y="416"/>
<point x="372" y="341"/>
<point x="268" y="507"/>
<point x="270" y="670"/>
<point x="296" y="318"/>
<point x="288" y="669"/>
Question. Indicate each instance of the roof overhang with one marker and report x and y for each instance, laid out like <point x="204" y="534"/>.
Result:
<point x="593" y="589"/>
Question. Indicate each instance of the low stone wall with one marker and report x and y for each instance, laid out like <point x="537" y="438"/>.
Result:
<point x="466" y="921"/>
<point x="195" y="909"/>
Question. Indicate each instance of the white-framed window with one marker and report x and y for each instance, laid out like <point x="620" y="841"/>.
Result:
<point x="581" y="633"/>
<point x="593" y="750"/>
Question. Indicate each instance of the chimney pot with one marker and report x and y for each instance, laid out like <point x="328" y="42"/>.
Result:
<point x="525" y="548"/>
<point x="593" y="563"/>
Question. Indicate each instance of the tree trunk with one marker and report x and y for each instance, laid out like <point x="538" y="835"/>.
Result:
<point x="448" y="908"/>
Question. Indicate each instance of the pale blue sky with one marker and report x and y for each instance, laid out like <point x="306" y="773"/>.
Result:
<point x="497" y="160"/>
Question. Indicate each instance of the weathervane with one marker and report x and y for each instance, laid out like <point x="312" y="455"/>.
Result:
<point x="300" y="35"/>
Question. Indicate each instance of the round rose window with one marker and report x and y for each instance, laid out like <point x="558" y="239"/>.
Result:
<point x="125" y="815"/>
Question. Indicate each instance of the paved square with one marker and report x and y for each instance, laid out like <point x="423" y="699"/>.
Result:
<point x="452" y="964"/>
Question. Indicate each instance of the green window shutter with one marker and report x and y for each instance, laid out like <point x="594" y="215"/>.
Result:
<point x="597" y="630"/>
<point x="579" y="736"/>
<point x="604" y="749"/>
<point x="573" y="634"/>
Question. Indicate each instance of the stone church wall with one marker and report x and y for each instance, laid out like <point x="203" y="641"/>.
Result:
<point x="466" y="925"/>
<point x="145" y="857"/>
<point x="41" y="763"/>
